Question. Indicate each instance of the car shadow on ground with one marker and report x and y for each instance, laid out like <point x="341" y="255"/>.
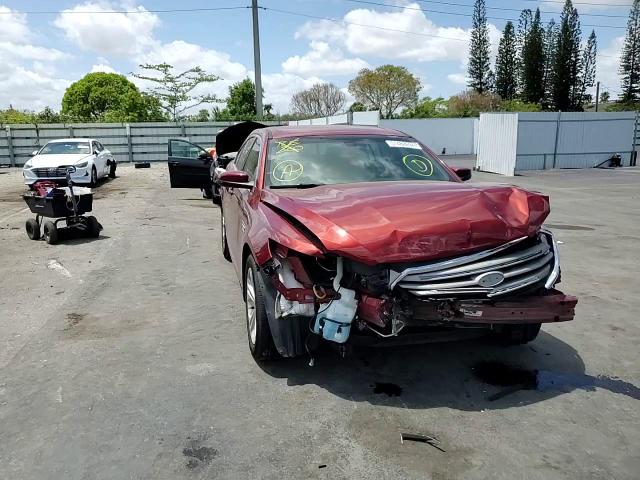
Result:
<point x="472" y="375"/>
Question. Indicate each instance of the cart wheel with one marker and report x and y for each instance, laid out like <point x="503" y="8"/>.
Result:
<point x="93" y="227"/>
<point x="50" y="232"/>
<point x="33" y="229"/>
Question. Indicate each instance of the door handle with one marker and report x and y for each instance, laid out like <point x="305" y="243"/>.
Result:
<point x="173" y="164"/>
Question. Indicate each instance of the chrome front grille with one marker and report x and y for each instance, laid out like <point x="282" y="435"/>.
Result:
<point x="53" y="172"/>
<point x="518" y="264"/>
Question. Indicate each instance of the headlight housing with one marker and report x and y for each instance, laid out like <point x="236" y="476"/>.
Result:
<point x="82" y="164"/>
<point x="27" y="164"/>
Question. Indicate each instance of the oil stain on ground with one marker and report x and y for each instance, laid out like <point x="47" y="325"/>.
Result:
<point x="514" y="379"/>
<point x="73" y="319"/>
<point x="198" y="454"/>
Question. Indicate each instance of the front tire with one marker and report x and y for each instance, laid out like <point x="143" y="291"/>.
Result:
<point x="50" y="232"/>
<point x="112" y="170"/>
<point x="94" y="177"/>
<point x="258" y="331"/>
<point x="518" y="334"/>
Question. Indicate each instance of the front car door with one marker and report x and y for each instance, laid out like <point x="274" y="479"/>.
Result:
<point x="188" y="165"/>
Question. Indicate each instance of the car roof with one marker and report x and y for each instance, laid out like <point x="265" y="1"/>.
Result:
<point x="329" y="130"/>
<point x="58" y="140"/>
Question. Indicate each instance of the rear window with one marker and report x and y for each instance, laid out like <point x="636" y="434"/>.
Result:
<point x="348" y="159"/>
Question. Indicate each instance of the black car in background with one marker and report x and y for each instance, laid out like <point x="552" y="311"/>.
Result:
<point x="191" y="166"/>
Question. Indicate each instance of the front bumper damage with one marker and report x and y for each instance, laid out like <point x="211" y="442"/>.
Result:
<point x="339" y="299"/>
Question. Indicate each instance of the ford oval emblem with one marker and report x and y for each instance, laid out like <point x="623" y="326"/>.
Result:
<point x="490" y="279"/>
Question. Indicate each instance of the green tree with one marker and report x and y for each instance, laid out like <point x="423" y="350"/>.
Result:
<point x="480" y="74"/>
<point x="105" y="97"/>
<point x="630" y="59"/>
<point x="13" y="116"/>
<point x="427" y="108"/>
<point x="566" y="68"/>
<point x="387" y="88"/>
<point x="518" y="106"/>
<point x="472" y="103"/>
<point x="241" y="103"/>
<point x="588" y="65"/>
<point x="533" y="62"/>
<point x="604" y="97"/>
<point x="506" y="64"/>
<point x="550" y="43"/>
<point x="358" y="107"/>
<point x="321" y="100"/>
<point x="175" y="91"/>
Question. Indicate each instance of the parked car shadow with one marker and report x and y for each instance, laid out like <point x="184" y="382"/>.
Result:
<point x="471" y="375"/>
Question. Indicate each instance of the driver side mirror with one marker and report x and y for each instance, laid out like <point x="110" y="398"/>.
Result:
<point x="95" y="152"/>
<point x="463" y="173"/>
<point x="34" y="153"/>
<point x="235" y="179"/>
<point x="204" y="156"/>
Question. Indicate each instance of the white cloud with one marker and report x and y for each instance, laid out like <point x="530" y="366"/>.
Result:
<point x="389" y="39"/>
<point x="322" y="60"/>
<point x="28" y="77"/>
<point x="280" y="87"/>
<point x="607" y="65"/>
<point x="118" y="34"/>
<point x="457" y="78"/>
<point x="101" y="67"/>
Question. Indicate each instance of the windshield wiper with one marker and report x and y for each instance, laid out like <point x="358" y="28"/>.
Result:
<point x="299" y="185"/>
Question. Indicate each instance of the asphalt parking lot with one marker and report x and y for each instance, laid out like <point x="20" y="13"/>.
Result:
<point x="126" y="357"/>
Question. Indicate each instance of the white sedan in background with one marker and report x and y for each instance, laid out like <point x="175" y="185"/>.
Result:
<point x="91" y="159"/>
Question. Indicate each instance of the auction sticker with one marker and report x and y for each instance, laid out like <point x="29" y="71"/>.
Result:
<point x="401" y="144"/>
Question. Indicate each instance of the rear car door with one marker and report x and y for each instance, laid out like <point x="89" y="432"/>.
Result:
<point x="188" y="164"/>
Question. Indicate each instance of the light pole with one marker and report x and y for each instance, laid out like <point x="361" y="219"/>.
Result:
<point x="256" y="59"/>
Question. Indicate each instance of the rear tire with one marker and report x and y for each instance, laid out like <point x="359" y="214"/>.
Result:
<point x="223" y="236"/>
<point x="258" y="331"/>
<point x="518" y="334"/>
<point x="206" y="193"/>
<point x="33" y="229"/>
<point x="50" y="232"/>
<point x="93" y="227"/>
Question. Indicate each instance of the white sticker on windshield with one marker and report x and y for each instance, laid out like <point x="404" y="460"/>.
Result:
<point x="400" y="144"/>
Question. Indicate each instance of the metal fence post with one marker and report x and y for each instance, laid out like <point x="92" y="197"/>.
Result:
<point x="555" y="148"/>
<point x="70" y="131"/>
<point x="12" y="158"/>
<point x="182" y="130"/>
<point x="349" y="118"/>
<point x="129" y="144"/>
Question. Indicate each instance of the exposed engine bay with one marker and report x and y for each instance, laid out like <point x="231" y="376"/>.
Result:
<point x="339" y="298"/>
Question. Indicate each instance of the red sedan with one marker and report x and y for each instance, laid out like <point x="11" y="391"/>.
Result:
<point x="358" y="234"/>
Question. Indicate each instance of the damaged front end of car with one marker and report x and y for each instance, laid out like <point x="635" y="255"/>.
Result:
<point x="508" y="289"/>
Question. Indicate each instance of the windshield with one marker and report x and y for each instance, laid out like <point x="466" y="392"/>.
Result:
<point x="57" y="148"/>
<point x="296" y="162"/>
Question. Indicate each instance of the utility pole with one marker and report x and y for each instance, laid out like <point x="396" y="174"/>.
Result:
<point x="256" y="59"/>
<point x="597" y="94"/>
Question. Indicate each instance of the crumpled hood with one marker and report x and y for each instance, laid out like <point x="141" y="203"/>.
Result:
<point x="49" y="161"/>
<point x="385" y="222"/>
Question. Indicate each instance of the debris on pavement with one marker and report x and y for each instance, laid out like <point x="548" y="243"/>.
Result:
<point x="414" y="437"/>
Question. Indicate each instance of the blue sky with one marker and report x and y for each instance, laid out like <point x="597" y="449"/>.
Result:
<point x="43" y="53"/>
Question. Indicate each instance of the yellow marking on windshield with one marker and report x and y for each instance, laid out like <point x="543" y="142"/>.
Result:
<point x="418" y="164"/>
<point x="287" y="171"/>
<point x="289" y="146"/>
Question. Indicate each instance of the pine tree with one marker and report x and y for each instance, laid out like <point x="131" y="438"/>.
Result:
<point x="524" y="24"/>
<point x="506" y="64"/>
<point x="550" y="44"/>
<point x="630" y="60"/>
<point x="588" y="66"/>
<point x="566" y="66"/>
<point x="480" y="74"/>
<point x="533" y="62"/>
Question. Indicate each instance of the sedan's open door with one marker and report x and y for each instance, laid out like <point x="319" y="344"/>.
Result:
<point x="188" y="165"/>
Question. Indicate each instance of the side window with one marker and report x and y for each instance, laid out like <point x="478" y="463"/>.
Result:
<point x="181" y="148"/>
<point x="94" y="147"/>
<point x="241" y="158"/>
<point x="251" y="165"/>
<point x="100" y="146"/>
